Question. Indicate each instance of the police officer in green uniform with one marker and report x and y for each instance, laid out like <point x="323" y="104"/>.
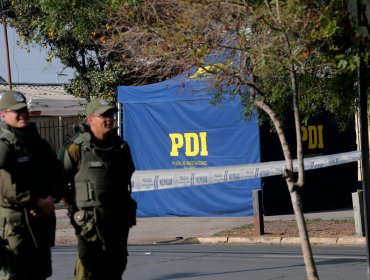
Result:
<point x="99" y="167"/>
<point x="31" y="181"/>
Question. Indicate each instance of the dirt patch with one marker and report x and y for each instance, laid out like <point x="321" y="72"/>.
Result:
<point x="63" y="224"/>
<point x="316" y="228"/>
<point x="65" y="233"/>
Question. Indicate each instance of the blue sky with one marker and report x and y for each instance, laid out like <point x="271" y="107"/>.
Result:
<point x="29" y="67"/>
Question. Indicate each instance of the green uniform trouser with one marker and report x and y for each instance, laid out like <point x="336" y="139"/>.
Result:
<point x="94" y="263"/>
<point x="102" y="246"/>
<point x="22" y="259"/>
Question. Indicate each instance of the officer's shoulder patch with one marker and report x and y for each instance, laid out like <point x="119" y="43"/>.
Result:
<point x="74" y="150"/>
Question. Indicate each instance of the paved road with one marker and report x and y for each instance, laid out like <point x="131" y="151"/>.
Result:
<point x="232" y="262"/>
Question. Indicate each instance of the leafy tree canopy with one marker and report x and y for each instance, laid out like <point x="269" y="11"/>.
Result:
<point x="138" y="41"/>
<point x="73" y="31"/>
<point x="166" y="37"/>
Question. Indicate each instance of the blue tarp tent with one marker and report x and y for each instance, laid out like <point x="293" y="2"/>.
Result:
<point x="171" y="125"/>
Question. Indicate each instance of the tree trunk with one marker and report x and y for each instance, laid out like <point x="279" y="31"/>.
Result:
<point x="303" y="233"/>
<point x="294" y="194"/>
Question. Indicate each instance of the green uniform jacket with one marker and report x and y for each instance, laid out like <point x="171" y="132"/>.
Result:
<point x="29" y="168"/>
<point x="99" y="173"/>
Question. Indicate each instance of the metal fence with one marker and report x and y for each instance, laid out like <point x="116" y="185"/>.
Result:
<point x="56" y="130"/>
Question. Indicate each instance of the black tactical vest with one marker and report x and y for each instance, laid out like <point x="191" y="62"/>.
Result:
<point x="101" y="179"/>
<point x="26" y="173"/>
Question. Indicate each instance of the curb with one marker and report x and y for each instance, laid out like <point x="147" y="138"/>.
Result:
<point x="67" y="237"/>
<point x="340" y="241"/>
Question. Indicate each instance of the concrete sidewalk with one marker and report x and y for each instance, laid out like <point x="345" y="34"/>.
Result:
<point x="200" y="230"/>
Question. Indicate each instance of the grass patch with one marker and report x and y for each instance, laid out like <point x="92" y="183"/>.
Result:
<point x="332" y="221"/>
<point x="236" y="230"/>
<point x="316" y="227"/>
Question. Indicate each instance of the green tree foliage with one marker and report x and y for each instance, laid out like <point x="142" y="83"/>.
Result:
<point x="162" y="38"/>
<point x="73" y="31"/>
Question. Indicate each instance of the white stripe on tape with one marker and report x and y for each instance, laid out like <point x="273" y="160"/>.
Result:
<point x="148" y="180"/>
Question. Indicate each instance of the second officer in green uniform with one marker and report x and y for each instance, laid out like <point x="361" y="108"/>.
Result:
<point x="99" y="167"/>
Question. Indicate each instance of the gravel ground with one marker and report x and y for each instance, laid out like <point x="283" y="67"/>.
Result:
<point x="316" y="228"/>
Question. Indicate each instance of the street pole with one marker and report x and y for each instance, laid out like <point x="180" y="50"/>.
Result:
<point x="362" y="91"/>
<point x="6" y="45"/>
<point x="364" y="126"/>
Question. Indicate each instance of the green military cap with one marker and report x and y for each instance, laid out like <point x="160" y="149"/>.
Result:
<point x="99" y="107"/>
<point x="12" y="100"/>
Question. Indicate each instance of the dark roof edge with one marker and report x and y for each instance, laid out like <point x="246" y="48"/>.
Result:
<point x="34" y="84"/>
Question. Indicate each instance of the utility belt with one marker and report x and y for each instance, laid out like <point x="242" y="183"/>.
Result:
<point x="107" y="225"/>
<point x="20" y="231"/>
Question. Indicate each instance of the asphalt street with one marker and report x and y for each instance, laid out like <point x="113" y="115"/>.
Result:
<point x="226" y="261"/>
